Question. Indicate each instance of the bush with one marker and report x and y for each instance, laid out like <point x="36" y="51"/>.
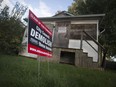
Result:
<point x="11" y="33"/>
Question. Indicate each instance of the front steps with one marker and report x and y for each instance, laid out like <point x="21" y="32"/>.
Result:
<point x="81" y="58"/>
<point x="85" y="61"/>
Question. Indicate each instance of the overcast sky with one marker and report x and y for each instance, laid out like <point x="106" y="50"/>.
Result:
<point x="41" y="8"/>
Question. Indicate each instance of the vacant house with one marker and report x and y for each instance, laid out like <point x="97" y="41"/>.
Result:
<point x="74" y="38"/>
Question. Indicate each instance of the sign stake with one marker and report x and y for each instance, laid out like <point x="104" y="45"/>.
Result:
<point x="39" y="69"/>
<point x="48" y="65"/>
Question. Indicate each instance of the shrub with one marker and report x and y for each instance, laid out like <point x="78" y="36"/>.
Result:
<point x="11" y="33"/>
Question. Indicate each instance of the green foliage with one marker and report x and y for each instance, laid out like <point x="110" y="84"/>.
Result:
<point x="108" y="7"/>
<point x="90" y="6"/>
<point x="72" y="9"/>
<point x="11" y="33"/>
<point x="16" y="71"/>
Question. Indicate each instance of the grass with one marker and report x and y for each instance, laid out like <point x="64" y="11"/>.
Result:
<point x="17" y="71"/>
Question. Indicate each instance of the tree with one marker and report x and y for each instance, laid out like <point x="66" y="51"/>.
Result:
<point x="107" y="39"/>
<point x="72" y="9"/>
<point x="11" y="33"/>
<point x="90" y="6"/>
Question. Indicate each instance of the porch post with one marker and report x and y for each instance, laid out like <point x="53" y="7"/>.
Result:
<point x="81" y="42"/>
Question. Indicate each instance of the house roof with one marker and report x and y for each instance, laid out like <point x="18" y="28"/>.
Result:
<point x="64" y="15"/>
<point x="79" y="17"/>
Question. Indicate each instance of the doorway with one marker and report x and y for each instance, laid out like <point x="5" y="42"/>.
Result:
<point x="67" y="57"/>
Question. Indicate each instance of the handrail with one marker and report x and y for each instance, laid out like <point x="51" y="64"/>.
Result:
<point x="91" y="45"/>
<point x="104" y="50"/>
<point x="95" y="41"/>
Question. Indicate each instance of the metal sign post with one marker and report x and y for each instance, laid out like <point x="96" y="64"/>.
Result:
<point x="48" y="65"/>
<point x="39" y="70"/>
<point x="39" y="66"/>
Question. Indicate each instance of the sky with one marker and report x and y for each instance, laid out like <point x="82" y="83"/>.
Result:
<point x="41" y="8"/>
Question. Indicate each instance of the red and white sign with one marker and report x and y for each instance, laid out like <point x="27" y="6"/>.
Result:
<point x="39" y="37"/>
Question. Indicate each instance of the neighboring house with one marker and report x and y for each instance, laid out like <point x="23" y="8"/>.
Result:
<point x="70" y="44"/>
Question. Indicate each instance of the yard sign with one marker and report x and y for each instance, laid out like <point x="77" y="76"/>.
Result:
<point x="39" y="37"/>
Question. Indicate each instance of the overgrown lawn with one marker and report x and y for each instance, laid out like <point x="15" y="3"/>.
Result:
<point x="17" y="71"/>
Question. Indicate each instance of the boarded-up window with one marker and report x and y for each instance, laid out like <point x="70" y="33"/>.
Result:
<point x="61" y="38"/>
<point x="75" y="32"/>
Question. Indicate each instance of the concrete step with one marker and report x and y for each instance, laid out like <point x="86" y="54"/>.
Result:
<point x="94" y="64"/>
<point x="89" y="62"/>
<point x="85" y="55"/>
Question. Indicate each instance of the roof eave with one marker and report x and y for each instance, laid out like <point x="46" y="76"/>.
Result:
<point x="80" y="17"/>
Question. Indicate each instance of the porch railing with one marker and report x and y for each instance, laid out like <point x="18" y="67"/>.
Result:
<point x="104" y="51"/>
